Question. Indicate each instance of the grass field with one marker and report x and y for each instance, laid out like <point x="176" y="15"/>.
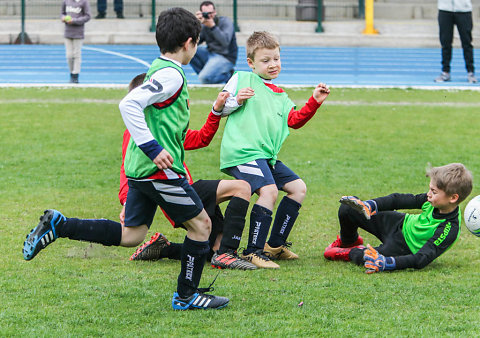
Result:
<point x="61" y="148"/>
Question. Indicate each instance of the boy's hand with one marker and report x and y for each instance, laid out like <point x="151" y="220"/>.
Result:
<point x="220" y="102"/>
<point x="321" y="92"/>
<point x="163" y="160"/>
<point x="122" y="216"/>
<point x="244" y="94"/>
<point x="375" y="262"/>
<point x="359" y="205"/>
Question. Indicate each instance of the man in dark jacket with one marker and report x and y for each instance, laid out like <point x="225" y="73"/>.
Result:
<point x="214" y="62"/>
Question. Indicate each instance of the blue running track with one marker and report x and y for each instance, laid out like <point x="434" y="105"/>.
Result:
<point x="358" y="66"/>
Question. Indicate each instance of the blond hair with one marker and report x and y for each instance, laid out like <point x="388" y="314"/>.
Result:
<point x="452" y="178"/>
<point x="260" y="40"/>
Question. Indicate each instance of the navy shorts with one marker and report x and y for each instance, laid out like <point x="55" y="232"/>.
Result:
<point x="260" y="173"/>
<point x="177" y="198"/>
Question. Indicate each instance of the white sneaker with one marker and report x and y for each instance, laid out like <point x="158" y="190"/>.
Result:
<point x="471" y="78"/>
<point x="444" y="77"/>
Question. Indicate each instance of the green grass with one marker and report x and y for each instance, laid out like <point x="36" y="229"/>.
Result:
<point x="61" y="148"/>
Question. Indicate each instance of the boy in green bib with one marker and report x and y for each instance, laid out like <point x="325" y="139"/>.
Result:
<point x="260" y="114"/>
<point x="157" y="116"/>
<point x="408" y="240"/>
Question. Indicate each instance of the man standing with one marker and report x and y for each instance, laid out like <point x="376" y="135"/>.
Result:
<point x="459" y="13"/>
<point x="102" y="9"/>
<point x="214" y="62"/>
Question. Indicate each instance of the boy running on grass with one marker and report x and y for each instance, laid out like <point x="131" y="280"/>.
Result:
<point x="408" y="240"/>
<point x="261" y="114"/>
<point x="157" y="122"/>
<point x="224" y="241"/>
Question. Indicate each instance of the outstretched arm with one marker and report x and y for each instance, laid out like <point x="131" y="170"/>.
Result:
<point x="195" y="139"/>
<point x="298" y="118"/>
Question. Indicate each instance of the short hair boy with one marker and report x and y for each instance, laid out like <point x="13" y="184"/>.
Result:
<point x="253" y="136"/>
<point x="224" y="241"/>
<point x="408" y="240"/>
<point x="157" y="116"/>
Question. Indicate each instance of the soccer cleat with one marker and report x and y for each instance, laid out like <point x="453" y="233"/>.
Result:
<point x="197" y="301"/>
<point x="358" y="205"/>
<point x="338" y="254"/>
<point x="339" y="244"/>
<point x="43" y="234"/>
<point x="151" y="250"/>
<point x="281" y="252"/>
<point x="444" y="77"/>
<point x="260" y="260"/>
<point x="231" y="260"/>
<point x="471" y="78"/>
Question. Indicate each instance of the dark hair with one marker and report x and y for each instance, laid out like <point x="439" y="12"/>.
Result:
<point x="136" y="81"/>
<point x="207" y="3"/>
<point x="174" y="27"/>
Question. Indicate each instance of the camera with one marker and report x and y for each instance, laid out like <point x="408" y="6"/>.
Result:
<point x="206" y="15"/>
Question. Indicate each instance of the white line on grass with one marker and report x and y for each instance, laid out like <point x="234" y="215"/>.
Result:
<point x="292" y="86"/>
<point x="299" y="102"/>
<point x="101" y="50"/>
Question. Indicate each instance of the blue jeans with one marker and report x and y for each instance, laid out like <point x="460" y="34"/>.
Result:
<point x="211" y="67"/>
<point x="102" y="5"/>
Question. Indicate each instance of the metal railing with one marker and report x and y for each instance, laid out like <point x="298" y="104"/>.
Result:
<point x="300" y="10"/>
<point x="244" y="9"/>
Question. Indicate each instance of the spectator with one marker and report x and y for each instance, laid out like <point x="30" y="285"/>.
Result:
<point x="459" y="13"/>
<point x="102" y="9"/>
<point x="214" y="62"/>
<point x="74" y="14"/>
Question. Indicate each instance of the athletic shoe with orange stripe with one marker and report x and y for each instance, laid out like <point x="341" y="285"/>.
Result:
<point x="360" y="206"/>
<point x="150" y="251"/>
<point x="231" y="260"/>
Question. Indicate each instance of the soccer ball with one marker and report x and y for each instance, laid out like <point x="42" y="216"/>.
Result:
<point x="472" y="216"/>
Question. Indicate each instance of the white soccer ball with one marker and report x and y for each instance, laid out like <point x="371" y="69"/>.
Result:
<point x="472" y="216"/>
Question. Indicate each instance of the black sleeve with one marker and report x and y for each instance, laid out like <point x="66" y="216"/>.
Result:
<point x="398" y="201"/>
<point x="443" y="238"/>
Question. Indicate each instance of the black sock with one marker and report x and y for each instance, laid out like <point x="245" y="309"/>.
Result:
<point x="260" y="220"/>
<point x="287" y="213"/>
<point x="233" y="224"/>
<point x="173" y="251"/>
<point x="193" y="258"/>
<point x="101" y="231"/>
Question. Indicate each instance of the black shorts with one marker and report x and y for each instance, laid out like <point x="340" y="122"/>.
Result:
<point x="177" y="198"/>
<point x="207" y="191"/>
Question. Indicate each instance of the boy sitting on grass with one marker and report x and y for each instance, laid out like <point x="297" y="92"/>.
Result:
<point x="408" y="240"/>
<point x="261" y="114"/>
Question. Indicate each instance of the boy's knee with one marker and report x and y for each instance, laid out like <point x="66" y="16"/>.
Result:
<point x="243" y="189"/>
<point x="301" y="189"/>
<point x="269" y="193"/>
<point x="133" y="236"/>
<point x="344" y="211"/>
<point x="201" y="225"/>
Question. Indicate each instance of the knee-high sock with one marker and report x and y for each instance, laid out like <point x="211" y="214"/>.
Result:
<point x="101" y="231"/>
<point x="192" y="261"/>
<point x="233" y="224"/>
<point x="260" y="220"/>
<point x="173" y="251"/>
<point x="287" y="213"/>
